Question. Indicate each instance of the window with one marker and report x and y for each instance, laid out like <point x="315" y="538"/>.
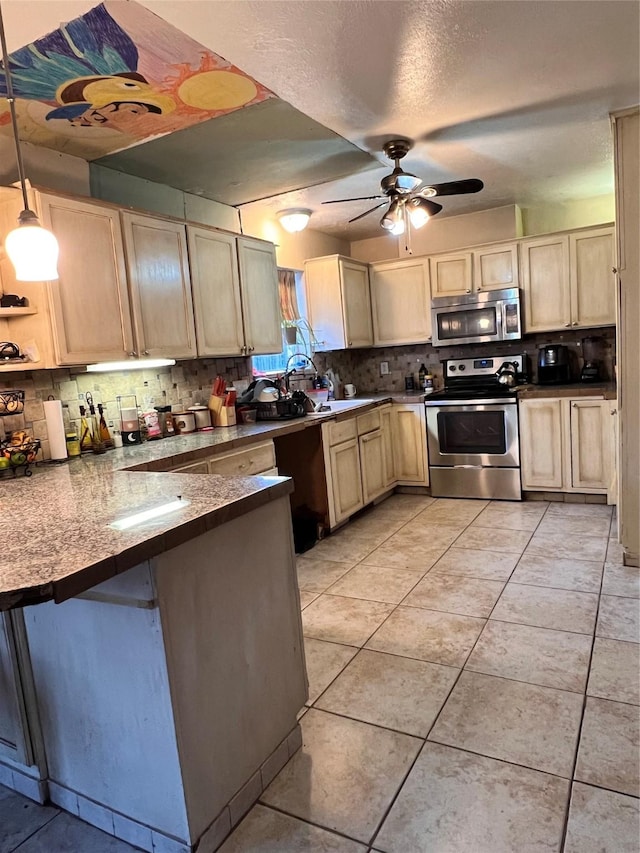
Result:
<point x="295" y="328"/>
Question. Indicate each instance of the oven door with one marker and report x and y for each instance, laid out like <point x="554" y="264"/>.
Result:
<point x="473" y="434"/>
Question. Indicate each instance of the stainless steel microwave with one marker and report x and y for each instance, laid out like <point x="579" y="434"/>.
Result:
<point x="476" y="318"/>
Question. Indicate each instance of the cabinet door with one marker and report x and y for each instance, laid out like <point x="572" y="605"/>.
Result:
<point x="260" y="298"/>
<point x="213" y="259"/>
<point x="542" y="444"/>
<point x="324" y="302"/>
<point x="593" y="284"/>
<point x="401" y="302"/>
<point x="496" y="267"/>
<point x="386" y="424"/>
<point x="158" y="268"/>
<point x="345" y="479"/>
<point x="372" y="463"/>
<point x="90" y="302"/>
<point x="591" y="443"/>
<point x="451" y="274"/>
<point x="13" y="736"/>
<point x="356" y="304"/>
<point x="410" y="445"/>
<point x="544" y="265"/>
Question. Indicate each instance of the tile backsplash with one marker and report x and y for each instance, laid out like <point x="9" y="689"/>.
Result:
<point x="187" y="383"/>
<point x="362" y="366"/>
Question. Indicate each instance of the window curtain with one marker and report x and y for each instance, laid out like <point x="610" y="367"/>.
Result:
<point x="288" y="298"/>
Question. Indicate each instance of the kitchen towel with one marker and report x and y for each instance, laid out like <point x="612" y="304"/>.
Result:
<point x="55" y="429"/>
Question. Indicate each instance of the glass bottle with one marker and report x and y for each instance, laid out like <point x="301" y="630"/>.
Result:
<point x="105" y="435"/>
<point x="86" y="438"/>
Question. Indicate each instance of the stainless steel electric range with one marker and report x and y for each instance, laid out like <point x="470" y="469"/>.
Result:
<point x="472" y="430"/>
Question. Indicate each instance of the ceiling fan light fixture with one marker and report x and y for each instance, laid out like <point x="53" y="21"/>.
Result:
<point x="294" y="219"/>
<point x="421" y="210"/>
<point x="393" y="219"/>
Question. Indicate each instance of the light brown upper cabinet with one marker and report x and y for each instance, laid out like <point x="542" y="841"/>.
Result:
<point x="568" y="280"/>
<point x="491" y="267"/>
<point x="160" y="286"/>
<point x="90" y="301"/>
<point x="401" y="302"/>
<point x="260" y="298"/>
<point x="215" y="282"/>
<point x="338" y="302"/>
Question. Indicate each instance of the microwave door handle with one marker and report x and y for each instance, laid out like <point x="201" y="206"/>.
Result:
<point x="502" y="323"/>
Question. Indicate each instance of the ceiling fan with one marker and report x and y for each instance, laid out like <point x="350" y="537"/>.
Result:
<point x="408" y="198"/>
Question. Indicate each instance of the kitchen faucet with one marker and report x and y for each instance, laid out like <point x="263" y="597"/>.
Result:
<point x="288" y="373"/>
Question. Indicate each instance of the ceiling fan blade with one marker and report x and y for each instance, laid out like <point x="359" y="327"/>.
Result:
<point x="362" y="198"/>
<point x="471" y="185"/>
<point x="367" y="212"/>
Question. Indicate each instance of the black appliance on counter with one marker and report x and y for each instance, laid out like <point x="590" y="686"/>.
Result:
<point x="553" y="365"/>
<point x="593" y="356"/>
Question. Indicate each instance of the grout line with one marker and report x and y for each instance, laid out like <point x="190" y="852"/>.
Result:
<point x="331" y="830"/>
<point x="40" y="828"/>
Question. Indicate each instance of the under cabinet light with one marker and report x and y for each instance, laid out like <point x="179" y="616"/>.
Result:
<point x="134" y="364"/>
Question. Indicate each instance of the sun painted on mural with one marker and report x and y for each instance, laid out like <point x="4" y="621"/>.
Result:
<point x="117" y="76"/>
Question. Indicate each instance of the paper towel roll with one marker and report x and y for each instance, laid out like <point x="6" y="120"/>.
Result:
<point x="55" y="429"/>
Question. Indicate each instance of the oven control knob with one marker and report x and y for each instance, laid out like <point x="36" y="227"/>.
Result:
<point x="461" y="367"/>
<point x="452" y="367"/>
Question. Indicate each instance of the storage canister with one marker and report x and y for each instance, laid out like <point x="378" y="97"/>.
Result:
<point x="184" y="422"/>
<point x="202" y="416"/>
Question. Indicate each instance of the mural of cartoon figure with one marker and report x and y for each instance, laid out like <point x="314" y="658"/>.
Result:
<point x="89" y="68"/>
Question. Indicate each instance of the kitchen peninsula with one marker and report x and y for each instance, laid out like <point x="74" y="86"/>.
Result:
<point x="156" y="694"/>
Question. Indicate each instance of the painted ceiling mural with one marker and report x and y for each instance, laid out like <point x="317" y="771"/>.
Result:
<point x="117" y="76"/>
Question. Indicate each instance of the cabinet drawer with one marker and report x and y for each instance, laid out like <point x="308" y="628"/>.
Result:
<point x="368" y="422"/>
<point x="340" y="431"/>
<point x="193" y="468"/>
<point x="253" y="460"/>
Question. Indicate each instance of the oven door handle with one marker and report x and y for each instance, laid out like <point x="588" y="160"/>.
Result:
<point x="475" y="467"/>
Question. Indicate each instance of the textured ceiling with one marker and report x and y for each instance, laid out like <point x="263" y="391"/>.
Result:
<point x="515" y="93"/>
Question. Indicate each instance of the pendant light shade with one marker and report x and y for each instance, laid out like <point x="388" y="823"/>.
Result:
<point x="421" y="210"/>
<point x="393" y="220"/>
<point x="32" y="250"/>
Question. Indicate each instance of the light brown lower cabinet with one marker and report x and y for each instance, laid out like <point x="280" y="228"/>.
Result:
<point x="567" y="445"/>
<point x="346" y="484"/>
<point x="372" y="464"/>
<point x="410" y="444"/>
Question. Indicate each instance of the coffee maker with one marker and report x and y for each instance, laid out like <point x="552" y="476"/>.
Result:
<point x="553" y="365"/>
<point x="592" y="359"/>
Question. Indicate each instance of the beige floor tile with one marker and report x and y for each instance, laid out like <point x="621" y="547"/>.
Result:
<point x="405" y="506"/>
<point x="577" y="525"/>
<point x="343" y="547"/>
<point x="430" y="533"/>
<point x="609" y="752"/>
<point x="345" y="775"/>
<point x="570" y="545"/>
<point x="455" y="594"/>
<point x="615" y="671"/>
<point x="489" y="565"/>
<point x="417" y="556"/>
<point x="536" y="655"/>
<point x="602" y="821"/>
<point x="324" y="662"/>
<point x="456" y="802"/>
<point x="339" y="619"/>
<point x="522" y="723"/>
<point x="267" y="831"/>
<point x="500" y="541"/>
<point x="584" y="509"/>
<point x="621" y="580"/>
<point x="427" y="635"/>
<point x="317" y="575"/>
<point x="376" y="524"/>
<point x="450" y="510"/>
<point x="543" y="607"/>
<point x="511" y="516"/>
<point x="392" y="691"/>
<point x="619" y="618"/>
<point x="307" y="597"/>
<point x="558" y="572"/>
<point x="615" y="552"/>
<point x="376" y="583"/>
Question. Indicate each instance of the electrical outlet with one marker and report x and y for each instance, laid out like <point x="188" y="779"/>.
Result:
<point x="384" y="368"/>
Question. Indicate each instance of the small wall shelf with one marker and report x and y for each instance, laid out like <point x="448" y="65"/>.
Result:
<point x="17" y="312"/>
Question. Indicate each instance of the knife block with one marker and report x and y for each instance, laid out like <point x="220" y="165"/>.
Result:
<point x="221" y="415"/>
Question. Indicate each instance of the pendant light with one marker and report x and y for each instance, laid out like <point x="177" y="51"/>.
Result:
<point x="32" y="249"/>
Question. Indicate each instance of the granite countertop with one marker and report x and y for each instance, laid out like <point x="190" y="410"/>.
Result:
<point x="64" y="544"/>
<point x="607" y="390"/>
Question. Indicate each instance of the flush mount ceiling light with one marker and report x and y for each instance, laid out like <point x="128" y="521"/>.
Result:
<point x="134" y="364"/>
<point x="294" y="219"/>
<point x="32" y="249"/>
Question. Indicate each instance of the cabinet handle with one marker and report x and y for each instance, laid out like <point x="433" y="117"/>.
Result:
<point x="567" y="325"/>
<point x="575" y="405"/>
<point x="251" y="349"/>
<point x="430" y="338"/>
<point x="468" y="290"/>
<point x="614" y="269"/>
<point x="350" y="343"/>
<point x="613" y="412"/>
<point x="575" y="323"/>
<point x="133" y="354"/>
<point x="146" y="352"/>
<point x="477" y="288"/>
